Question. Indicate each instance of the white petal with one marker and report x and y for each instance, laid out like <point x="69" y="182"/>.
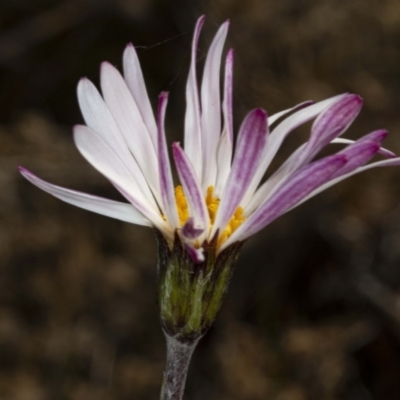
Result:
<point x="99" y="119"/>
<point x="273" y="118"/>
<point x="99" y="205"/>
<point x="192" y="142"/>
<point x="164" y="165"/>
<point x="101" y="156"/>
<point x="127" y="116"/>
<point x="211" y="107"/>
<point x="134" y="79"/>
<point x="225" y="144"/>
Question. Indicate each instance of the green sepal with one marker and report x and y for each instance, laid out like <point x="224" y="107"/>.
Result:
<point x="190" y="294"/>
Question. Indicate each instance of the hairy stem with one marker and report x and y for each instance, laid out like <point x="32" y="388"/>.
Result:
<point x="177" y="365"/>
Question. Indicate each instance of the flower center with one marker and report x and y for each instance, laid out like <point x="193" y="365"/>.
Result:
<point x="212" y="206"/>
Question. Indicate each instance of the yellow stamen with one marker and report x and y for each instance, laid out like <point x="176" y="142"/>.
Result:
<point x="181" y="205"/>
<point x="212" y="207"/>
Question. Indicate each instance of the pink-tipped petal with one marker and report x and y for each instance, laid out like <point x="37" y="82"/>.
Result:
<point x="296" y="188"/>
<point x="357" y="155"/>
<point x="249" y="150"/>
<point x="279" y="134"/>
<point x="333" y="122"/>
<point x="191" y="186"/>
<point x="378" y="136"/>
<point x="328" y="125"/>
<point x="392" y="162"/>
<point x="298" y="159"/>
<point x="211" y="107"/>
<point x="164" y="167"/>
<point x="193" y="141"/>
<point x="99" y="205"/>
<point x="134" y="79"/>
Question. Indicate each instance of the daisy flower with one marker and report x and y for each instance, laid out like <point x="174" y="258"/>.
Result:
<point x="220" y="196"/>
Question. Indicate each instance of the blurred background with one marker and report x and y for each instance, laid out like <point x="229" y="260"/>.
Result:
<point x="313" y="311"/>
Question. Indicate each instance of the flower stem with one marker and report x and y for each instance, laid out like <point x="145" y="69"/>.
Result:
<point x="177" y="365"/>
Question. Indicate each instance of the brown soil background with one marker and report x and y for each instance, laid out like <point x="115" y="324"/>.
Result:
<point x="313" y="311"/>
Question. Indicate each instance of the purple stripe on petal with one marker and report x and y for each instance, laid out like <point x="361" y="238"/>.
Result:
<point x="164" y="167"/>
<point x="191" y="186"/>
<point x="329" y="124"/>
<point x="252" y="140"/>
<point x="197" y="255"/>
<point x="279" y="134"/>
<point x="393" y="162"/>
<point x="190" y="231"/>
<point x="334" y="121"/>
<point x="377" y="136"/>
<point x="192" y="141"/>
<point x="357" y="154"/>
<point x="296" y="188"/>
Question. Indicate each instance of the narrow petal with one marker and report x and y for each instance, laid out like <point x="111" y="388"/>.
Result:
<point x="225" y="144"/>
<point x="333" y="122"/>
<point x="377" y="136"/>
<point x="329" y="124"/>
<point x="191" y="187"/>
<point x="249" y="150"/>
<point x="99" y="119"/>
<point x="279" y="134"/>
<point x="99" y="205"/>
<point x="191" y="231"/>
<point x="277" y="179"/>
<point x="192" y="141"/>
<point x="101" y="156"/>
<point x="273" y="118"/>
<point x="134" y="79"/>
<point x="296" y="188"/>
<point x="357" y="154"/>
<point x="164" y="167"/>
<point x="227" y="106"/>
<point x="211" y="107"/>
<point x="384" y="163"/>
<point x="297" y="160"/>
<point x="127" y="116"/>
